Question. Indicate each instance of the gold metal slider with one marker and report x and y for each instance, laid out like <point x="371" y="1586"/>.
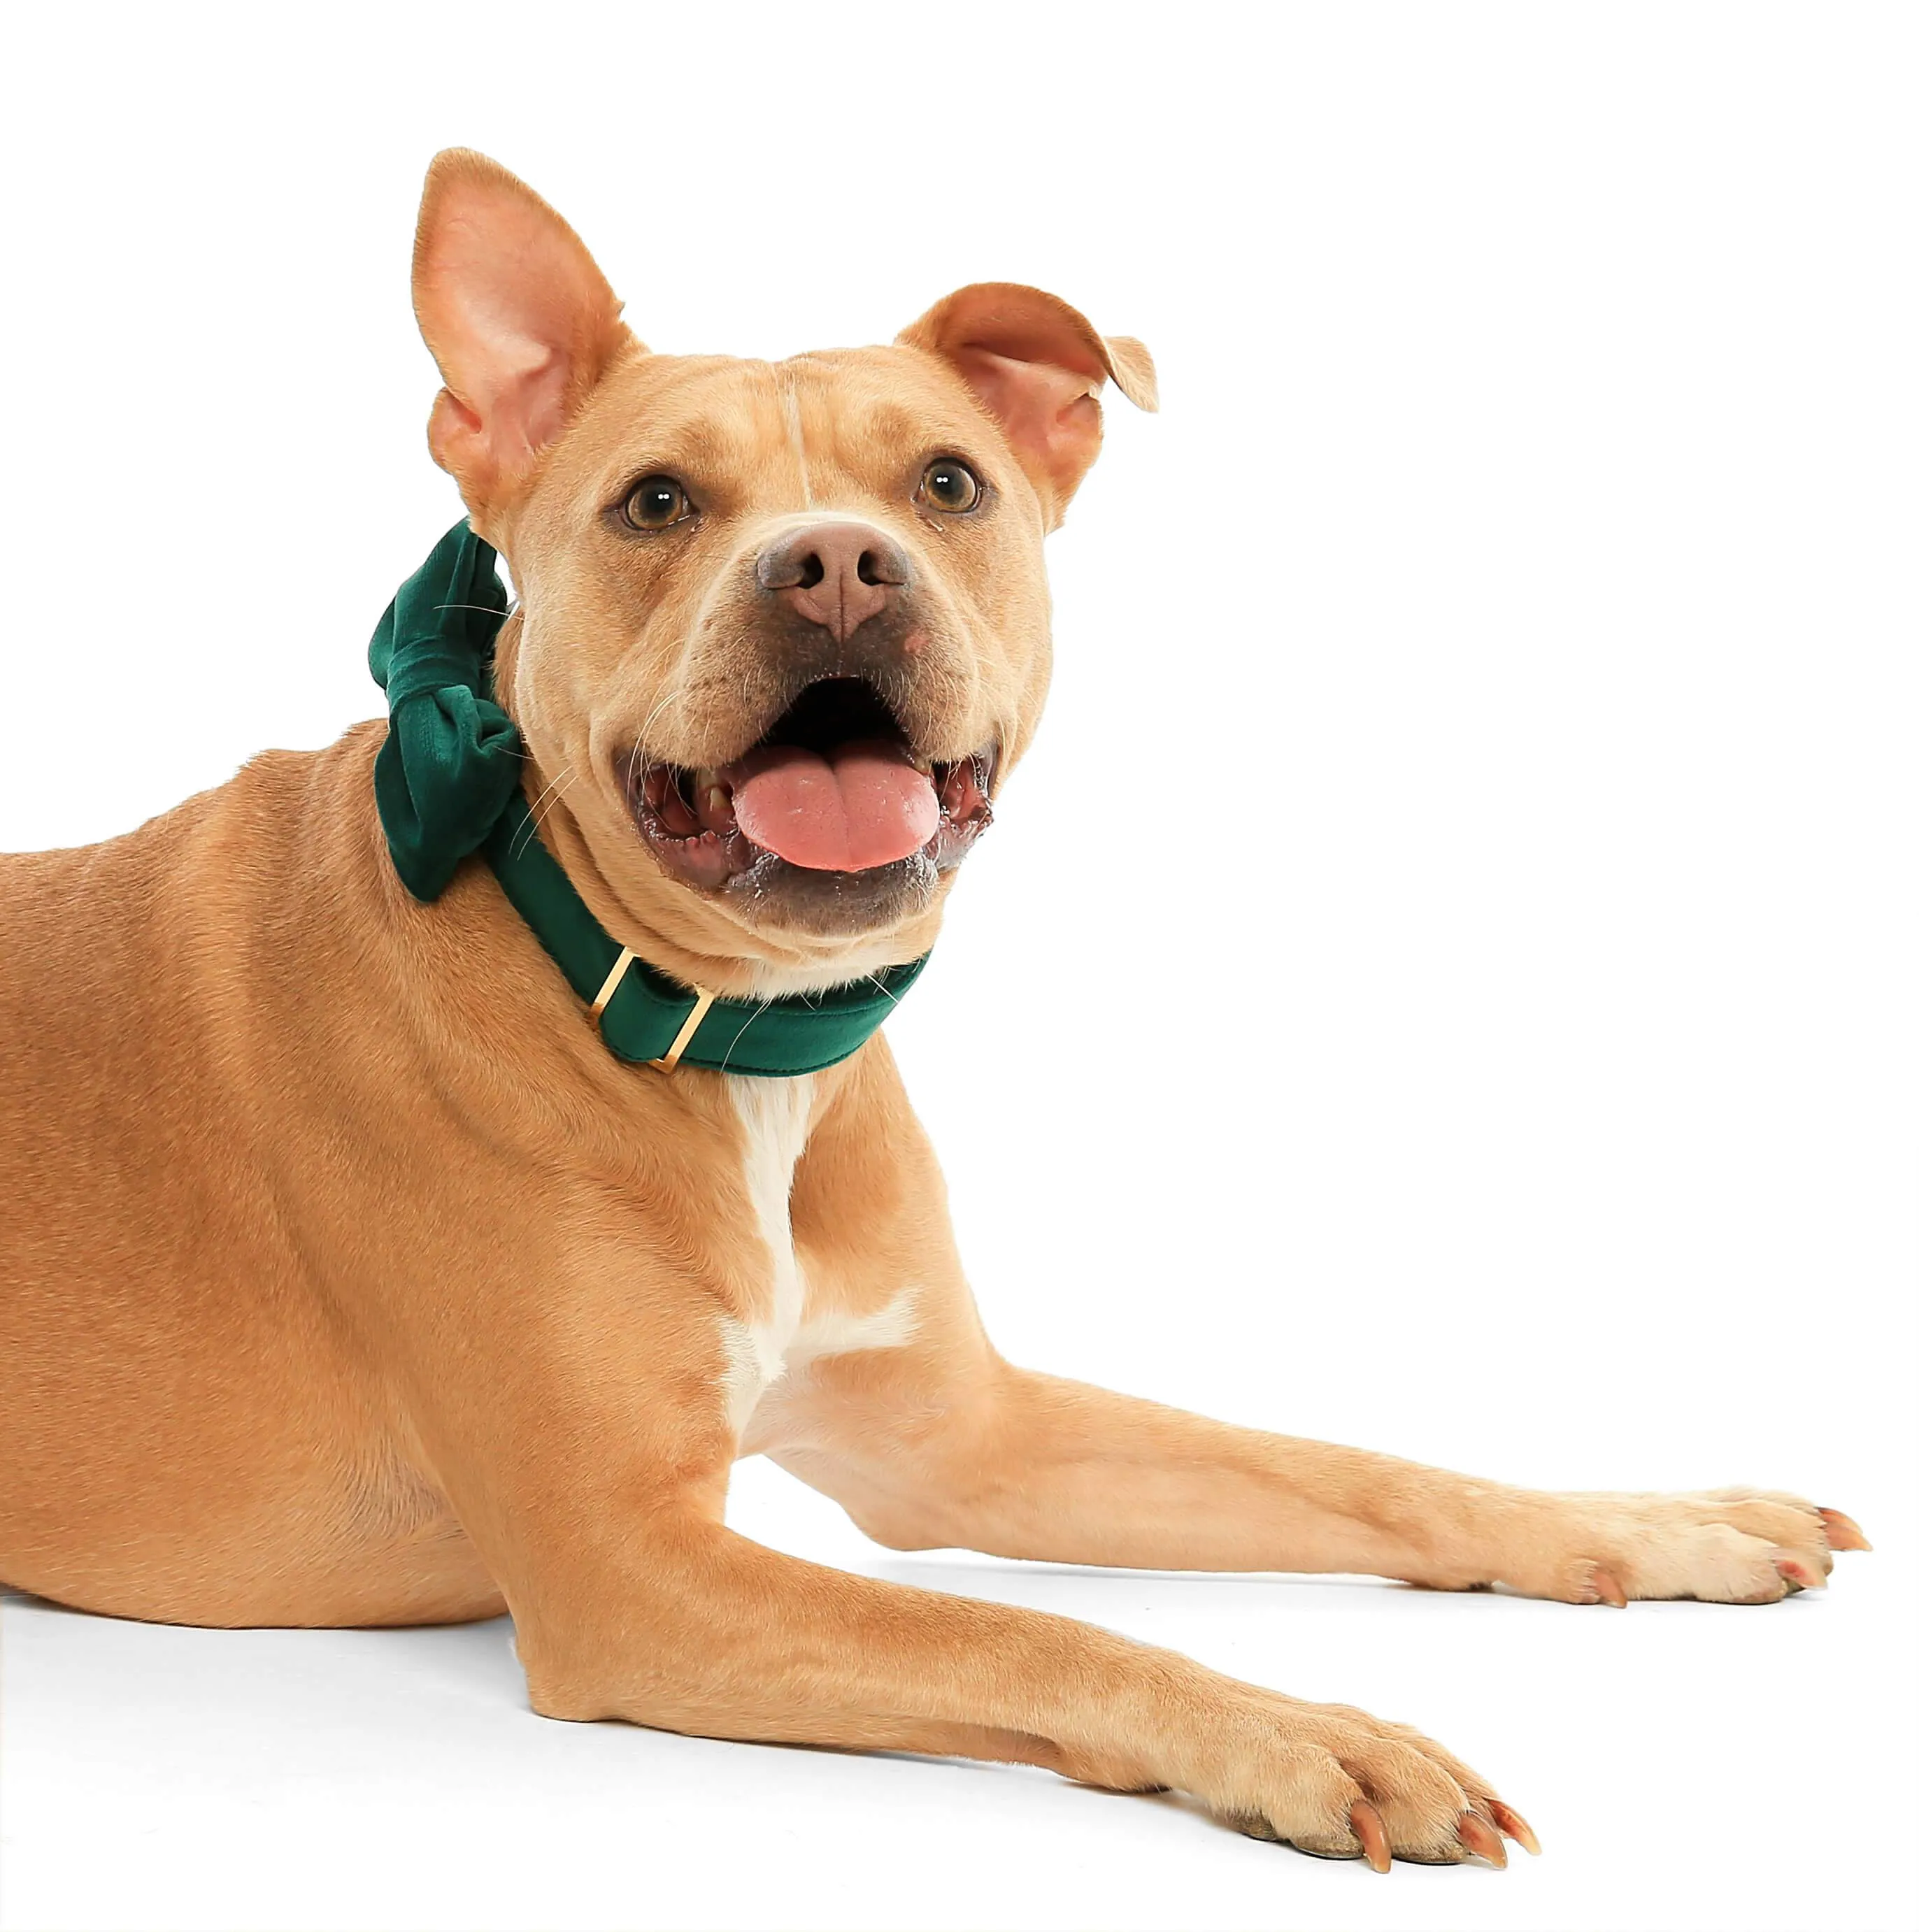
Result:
<point x="670" y="1058"/>
<point x="612" y="986"/>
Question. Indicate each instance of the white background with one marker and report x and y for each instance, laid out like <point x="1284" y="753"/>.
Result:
<point x="1444" y="981"/>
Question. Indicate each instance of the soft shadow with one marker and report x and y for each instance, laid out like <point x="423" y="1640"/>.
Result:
<point x="25" y="1600"/>
<point x="954" y="1577"/>
<point x="476" y="1657"/>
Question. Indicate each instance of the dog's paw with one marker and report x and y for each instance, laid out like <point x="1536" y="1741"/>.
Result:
<point x="1719" y="1545"/>
<point x="1334" y="1782"/>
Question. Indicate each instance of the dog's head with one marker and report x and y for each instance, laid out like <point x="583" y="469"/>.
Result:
<point x="782" y="627"/>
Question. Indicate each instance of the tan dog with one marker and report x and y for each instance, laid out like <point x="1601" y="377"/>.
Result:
<point x="346" y="1277"/>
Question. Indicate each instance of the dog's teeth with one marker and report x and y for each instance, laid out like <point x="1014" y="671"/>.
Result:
<point x="923" y="765"/>
<point x="717" y="800"/>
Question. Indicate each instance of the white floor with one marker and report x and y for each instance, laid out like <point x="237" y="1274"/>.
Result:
<point x="1687" y="1767"/>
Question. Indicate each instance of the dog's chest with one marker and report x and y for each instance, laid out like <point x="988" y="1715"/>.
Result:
<point x="786" y="1334"/>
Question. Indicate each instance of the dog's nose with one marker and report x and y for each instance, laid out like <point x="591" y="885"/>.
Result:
<point x="834" y="574"/>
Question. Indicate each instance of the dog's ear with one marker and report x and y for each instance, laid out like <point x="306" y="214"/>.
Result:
<point x="1036" y="365"/>
<point x="519" y="319"/>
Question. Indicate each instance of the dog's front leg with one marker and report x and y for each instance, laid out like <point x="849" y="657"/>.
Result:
<point x="582" y="1419"/>
<point x="938" y="1441"/>
<point x="1032" y="1466"/>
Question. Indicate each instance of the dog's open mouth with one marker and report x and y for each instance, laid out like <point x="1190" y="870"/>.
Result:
<point x="834" y="787"/>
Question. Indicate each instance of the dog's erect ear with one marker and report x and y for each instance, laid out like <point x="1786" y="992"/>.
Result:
<point x="519" y="320"/>
<point x="1037" y="364"/>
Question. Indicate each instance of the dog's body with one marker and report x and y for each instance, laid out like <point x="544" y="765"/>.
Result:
<point x="348" y="1279"/>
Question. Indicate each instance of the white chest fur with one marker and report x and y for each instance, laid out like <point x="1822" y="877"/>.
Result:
<point x="774" y="1117"/>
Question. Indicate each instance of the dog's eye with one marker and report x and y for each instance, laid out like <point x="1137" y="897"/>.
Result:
<point x="948" y="484"/>
<point x="656" y="503"/>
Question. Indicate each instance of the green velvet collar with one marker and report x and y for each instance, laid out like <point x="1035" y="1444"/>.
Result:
<point x="447" y="783"/>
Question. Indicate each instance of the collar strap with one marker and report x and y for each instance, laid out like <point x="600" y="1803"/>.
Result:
<point x="644" y="1015"/>
<point x="447" y="784"/>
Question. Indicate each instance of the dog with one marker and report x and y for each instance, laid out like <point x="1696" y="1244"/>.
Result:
<point x="351" y="1278"/>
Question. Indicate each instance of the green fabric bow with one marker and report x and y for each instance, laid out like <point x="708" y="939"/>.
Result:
<point x="452" y="757"/>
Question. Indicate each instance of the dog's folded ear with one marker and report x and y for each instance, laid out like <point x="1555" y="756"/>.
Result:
<point x="518" y="317"/>
<point x="1036" y="364"/>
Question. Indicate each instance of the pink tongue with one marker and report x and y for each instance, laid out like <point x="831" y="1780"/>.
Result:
<point x="863" y="804"/>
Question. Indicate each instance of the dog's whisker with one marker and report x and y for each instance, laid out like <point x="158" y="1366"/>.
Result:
<point x="741" y="1034"/>
<point x="556" y="793"/>
<point x="652" y="717"/>
<point x="565" y="771"/>
<point x="555" y="789"/>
